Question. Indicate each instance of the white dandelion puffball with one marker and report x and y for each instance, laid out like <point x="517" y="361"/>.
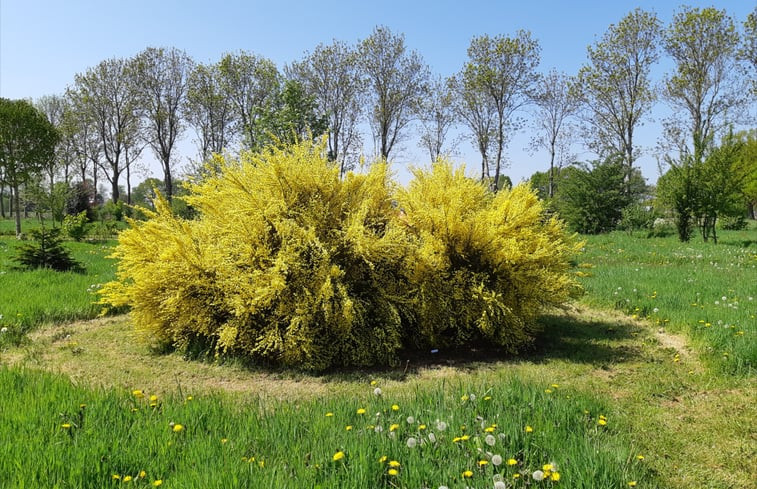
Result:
<point x="497" y="460"/>
<point x="411" y="442"/>
<point x="538" y="475"/>
<point x="441" y="425"/>
<point x="377" y="391"/>
<point x="432" y="438"/>
<point x="410" y="420"/>
<point x="500" y="485"/>
<point x="490" y="440"/>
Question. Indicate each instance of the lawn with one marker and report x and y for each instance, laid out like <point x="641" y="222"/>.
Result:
<point x="604" y="399"/>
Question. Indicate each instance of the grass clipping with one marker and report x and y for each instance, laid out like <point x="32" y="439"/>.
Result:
<point x="289" y="264"/>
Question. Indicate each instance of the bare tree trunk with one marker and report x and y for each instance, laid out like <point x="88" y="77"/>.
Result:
<point x="17" y="205"/>
<point x="2" y="201"/>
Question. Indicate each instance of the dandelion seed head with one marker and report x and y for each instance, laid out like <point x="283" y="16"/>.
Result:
<point x="490" y="440"/>
<point x="377" y="391"/>
<point x="412" y="442"/>
<point x="538" y="475"/>
<point x="497" y="460"/>
<point x="410" y="420"/>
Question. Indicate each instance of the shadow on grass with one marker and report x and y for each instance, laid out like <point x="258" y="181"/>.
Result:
<point x="597" y="342"/>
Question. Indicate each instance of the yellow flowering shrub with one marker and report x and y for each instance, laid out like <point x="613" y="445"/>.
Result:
<point x="286" y="263"/>
<point x="289" y="264"/>
<point x="486" y="264"/>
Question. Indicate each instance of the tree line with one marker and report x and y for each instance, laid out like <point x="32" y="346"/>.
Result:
<point x="113" y="112"/>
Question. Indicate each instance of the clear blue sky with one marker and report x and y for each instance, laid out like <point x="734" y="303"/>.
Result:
<point x="43" y="44"/>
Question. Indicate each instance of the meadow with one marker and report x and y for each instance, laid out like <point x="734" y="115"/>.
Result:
<point x="613" y="393"/>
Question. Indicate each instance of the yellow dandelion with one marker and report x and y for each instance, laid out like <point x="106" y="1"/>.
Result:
<point x="395" y="407"/>
<point x="547" y="467"/>
<point x="555" y="476"/>
<point x="487" y="398"/>
<point x="394" y="427"/>
<point x="516" y="476"/>
<point x="328" y="415"/>
<point x="66" y="426"/>
<point x="548" y="391"/>
<point x="392" y="472"/>
<point x="468" y="474"/>
<point x="158" y="482"/>
<point x="632" y="484"/>
<point x="602" y="422"/>
<point x="639" y="457"/>
<point x="465" y="438"/>
<point x="373" y="383"/>
<point x="189" y="398"/>
<point x="529" y="429"/>
<point x="138" y="394"/>
<point x="338" y="456"/>
<point x="382" y="459"/>
<point x="483" y="463"/>
<point x="348" y="427"/>
<point x="178" y="428"/>
<point x="142" y="474"/>
<point x="512" y="461"/>
<point x="115" y="477"/>
<point x="361" y="411"/>
<point x="394" y="464"/>
<point x="154" y="398"/>
<point x="489" y="429"/>
<point x="555" y="386"/>
<point x="421" y="427"/>
<point x="456" y="439"/>
<point x="464" y="397"/>
<point x="127" y="478"/>
<point x="261" y="464"/>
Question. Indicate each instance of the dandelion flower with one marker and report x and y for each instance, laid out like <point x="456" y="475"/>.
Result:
<point x="602" y="422"/>
<point x="348" y="427"/>
<point x="432" y="438"/>
<point x="177" y="428"/>
<point x="394" y="464"/>
<point x="189" y="398"/>
<point x="338" y="456"/>
<point x="538" y="475"/>
<point x="464" y="397"/>
<point x="410" y="420"/>
<point x="512" y="461"/>
<point x="490" y="440"/>
<point x="157" y="482"/>
<point x="142" y="474"/>
<point x="373" y="382"/>
<point x="392" y="472"/>
<point x="468" y="474"/>
<point x="443" y="487"/>
<point x="394" y="427"/>
<point x="127" y="478"/>
<point x="395" y="407"/>
<point x="378" y="429"/>
<point x="154" y="398"/>
<point x="500" y="485"/>
<point x="377" y="391"/>
<point x="497" y="460"/>
<point x="555" y="476"/>
<point x="639" y="457"/>
<point x="487" y="398"/>
<point x="328" y="415"/>
<point x="548" y="391"/>
<point x="382" y="459"/>
<point x="529" y="429"/>
<point x="483" y="463"/>
<point x="441" y="425"/>
<point x="421" y="427"/>
<point x="66" y="426"/>
<point x="516" y="476"/>
<point x="138" y="394"/>
<point x="361" y="411"/>
<point x="115" y="477"/>
<point x="632" y="484"/>
<point x="489" y="429"/>
<point x="411" y="442"/>
<point x="465" y="438"/>
<point x="547" y="467"/>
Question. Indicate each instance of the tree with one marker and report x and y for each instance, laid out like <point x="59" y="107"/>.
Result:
<point x="748" y="50"/>
<point x="500" y="73"/>
<point x="54" y="108"/>
<point x="290" y="118"/>
<point x="331" y="75"/>
<point x="615" y="87"/>
<point x="209" y="110"/>
<point x="251" y="83"/>
<point x="745" y="169"/>
<point x="437" y="115"/>
<point x="80" y="130"/>
<point x="555" y="102"/>
<point x="479" y="116"/>
<point x="108" y="96"/>
<point x="396" y="79"/>
<point x="162" y="78"/>
<point x="27" y="140"/>
<point x="591" y="198"/>
<point x="704" y="87"/>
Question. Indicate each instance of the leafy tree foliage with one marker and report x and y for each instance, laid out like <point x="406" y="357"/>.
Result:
<point x="251" y="82"/>
<point x="615" y="87"/>
<point x="292" y="117"/>
<point x="27" y="141"/>
<point x="704" y="90"/>
<point x="161" y="78"/>
<point x="591" y="197"/>
<point x="396" y="79"/>
<point x="331" y="74"/>
<point x="748" y="50"/>
<point x="500" y="74"/>
<point x="289" y="263"/>
<point x="436" y="112"/>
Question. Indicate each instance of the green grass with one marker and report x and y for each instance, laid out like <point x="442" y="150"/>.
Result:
<point x="708" y="291"/>
<point x="293" y="444"/>
<point x="31" y="298"/>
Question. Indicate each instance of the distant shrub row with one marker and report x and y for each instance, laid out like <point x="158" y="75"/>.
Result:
<point x="289" y="264"/>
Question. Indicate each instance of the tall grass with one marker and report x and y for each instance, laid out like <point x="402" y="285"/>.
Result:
<point x="31" y="298"/>
<point x="707" y="290"/>
<point x="448" y="435"/>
